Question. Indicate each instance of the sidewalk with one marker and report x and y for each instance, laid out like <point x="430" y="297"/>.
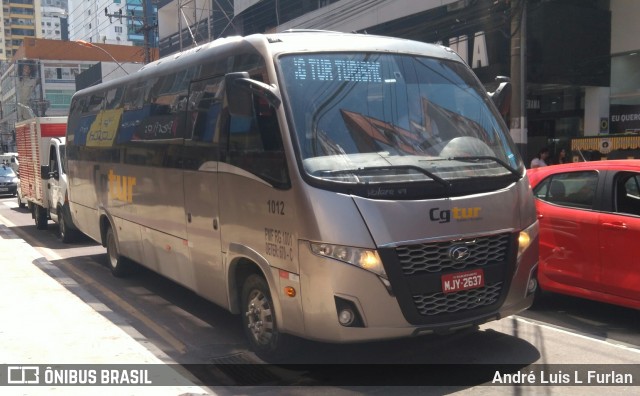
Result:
<point x="43" y="323"/>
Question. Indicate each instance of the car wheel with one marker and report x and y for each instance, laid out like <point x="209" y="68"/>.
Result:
<point x="260" y="322"/>
<point x="120" y="266"/>
<point x="539" y="297"/>
<point x="40" y="215"/>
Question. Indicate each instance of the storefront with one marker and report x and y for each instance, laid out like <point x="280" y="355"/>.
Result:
<point x="568" y="57"/>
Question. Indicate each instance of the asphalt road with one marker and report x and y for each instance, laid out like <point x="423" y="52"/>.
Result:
<point x="204" y="337"/>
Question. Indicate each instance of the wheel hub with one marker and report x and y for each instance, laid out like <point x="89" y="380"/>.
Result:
<point x="259" y="318"/>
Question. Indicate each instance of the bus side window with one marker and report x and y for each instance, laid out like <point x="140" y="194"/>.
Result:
<point x="255" y="144"/>
<point x="268" y="127"/>
<point x="202" y="114"/>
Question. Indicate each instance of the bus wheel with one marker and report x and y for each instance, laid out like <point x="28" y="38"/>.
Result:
<point x="120" y="266"/>
<point x="259" y="321"/>
<point x="65" y="232"/>
<point x="40" y="215"/>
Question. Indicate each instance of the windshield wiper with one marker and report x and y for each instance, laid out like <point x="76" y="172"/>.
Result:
<point x="487" y="157"/>
<point x="364" y="170"/>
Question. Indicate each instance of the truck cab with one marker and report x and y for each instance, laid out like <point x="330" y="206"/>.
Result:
<point x="55" y="178"/>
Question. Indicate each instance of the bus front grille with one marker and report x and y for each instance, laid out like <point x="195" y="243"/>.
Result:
<point x="439" y="303"/>
<point x="436" y="257"/>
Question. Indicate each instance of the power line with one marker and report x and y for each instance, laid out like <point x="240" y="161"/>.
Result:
<point x="145" y="29"/>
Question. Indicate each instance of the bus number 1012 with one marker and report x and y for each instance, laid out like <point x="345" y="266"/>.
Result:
<point x="275" y="207"/>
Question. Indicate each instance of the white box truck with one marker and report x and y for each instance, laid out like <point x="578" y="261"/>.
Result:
<point x="43" y="179"/>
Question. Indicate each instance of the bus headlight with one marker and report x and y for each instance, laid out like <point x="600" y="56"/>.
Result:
<point x="526" y="238"/>
<point x="364" y="258"/>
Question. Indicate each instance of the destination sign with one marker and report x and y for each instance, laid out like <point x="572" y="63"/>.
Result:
<point x="329" y="69"/>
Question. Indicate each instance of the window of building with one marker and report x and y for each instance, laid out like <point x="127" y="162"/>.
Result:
<point x="625" y="79"/>
<point x="59" y="98"/>
<point x="118" y="29"/>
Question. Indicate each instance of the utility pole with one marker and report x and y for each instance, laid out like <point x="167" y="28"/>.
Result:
<point x="146" y="29"/>
<point x="518" y="123"/>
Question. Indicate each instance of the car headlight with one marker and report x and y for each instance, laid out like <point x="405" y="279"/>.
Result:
<point x="14" y="180"/>
<point x="526" y="238"/>
<point x="364" y="258"/>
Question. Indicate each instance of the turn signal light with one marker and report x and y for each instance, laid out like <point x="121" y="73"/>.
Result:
<point x="290" y="291"/>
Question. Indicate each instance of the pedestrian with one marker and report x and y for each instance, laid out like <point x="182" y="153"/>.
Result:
<point x="562" y="157"/>
<point x="540" y="159"/>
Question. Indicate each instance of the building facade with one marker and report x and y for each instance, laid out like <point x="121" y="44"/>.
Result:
<point x="20" y="19"/>
<point x="120" y="22"/>
<point x="41" y="78"/>
<point x="53" y="23"/>
<point x="183" y="24"/>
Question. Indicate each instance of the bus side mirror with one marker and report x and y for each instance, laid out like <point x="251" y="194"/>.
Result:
<point x="239" y="100"/>
<point x="502" y="95"/>
<point x="239" y="89"/>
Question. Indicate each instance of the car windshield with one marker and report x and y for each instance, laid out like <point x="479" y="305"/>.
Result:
<point x="375" y="118"/>
<point x="7" y="171"/>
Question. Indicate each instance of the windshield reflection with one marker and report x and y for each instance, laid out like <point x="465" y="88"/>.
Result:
<point x="404" y="118"/>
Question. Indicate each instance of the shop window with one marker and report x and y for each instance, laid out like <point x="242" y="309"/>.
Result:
<point x="625" y="79"/>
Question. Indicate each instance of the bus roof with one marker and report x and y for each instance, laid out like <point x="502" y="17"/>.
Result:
<point x="295" y="41"/>
<point x="318" y="40"/>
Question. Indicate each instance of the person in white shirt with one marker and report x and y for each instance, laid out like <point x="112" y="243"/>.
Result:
<point x="540" y="158"/>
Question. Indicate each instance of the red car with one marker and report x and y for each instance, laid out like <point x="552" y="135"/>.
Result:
<point x="589" y="216"/>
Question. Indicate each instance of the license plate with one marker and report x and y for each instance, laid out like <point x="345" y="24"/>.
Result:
<point x="466" y="280"/>
<point x="4" y="189"/>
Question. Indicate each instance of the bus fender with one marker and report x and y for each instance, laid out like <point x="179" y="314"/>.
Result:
<point x="106" y="220"/>
<point x="236" y="253"/>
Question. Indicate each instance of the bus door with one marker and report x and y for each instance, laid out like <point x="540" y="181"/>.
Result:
<point x="201" y="153"/>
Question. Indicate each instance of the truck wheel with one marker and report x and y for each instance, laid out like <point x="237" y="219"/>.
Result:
<point x="66" y="233"/>
<point x="260" y="322"/>
<point x="120" y="266"/>
<point x="40" y="214"/>
<point x="21" y="205"/>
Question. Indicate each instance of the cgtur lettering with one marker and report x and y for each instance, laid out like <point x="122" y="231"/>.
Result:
<point x="459" y="214"/>
<point x="121" y="187"/>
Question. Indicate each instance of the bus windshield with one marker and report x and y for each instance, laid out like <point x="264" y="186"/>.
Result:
<point x="380" y="118"/>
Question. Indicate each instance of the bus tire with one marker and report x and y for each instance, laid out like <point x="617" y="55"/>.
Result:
<point x="66" y="233"/>
<point x="260" y="323"/>
<point x="40" y="215"/>
<point x="120" y="266"/>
